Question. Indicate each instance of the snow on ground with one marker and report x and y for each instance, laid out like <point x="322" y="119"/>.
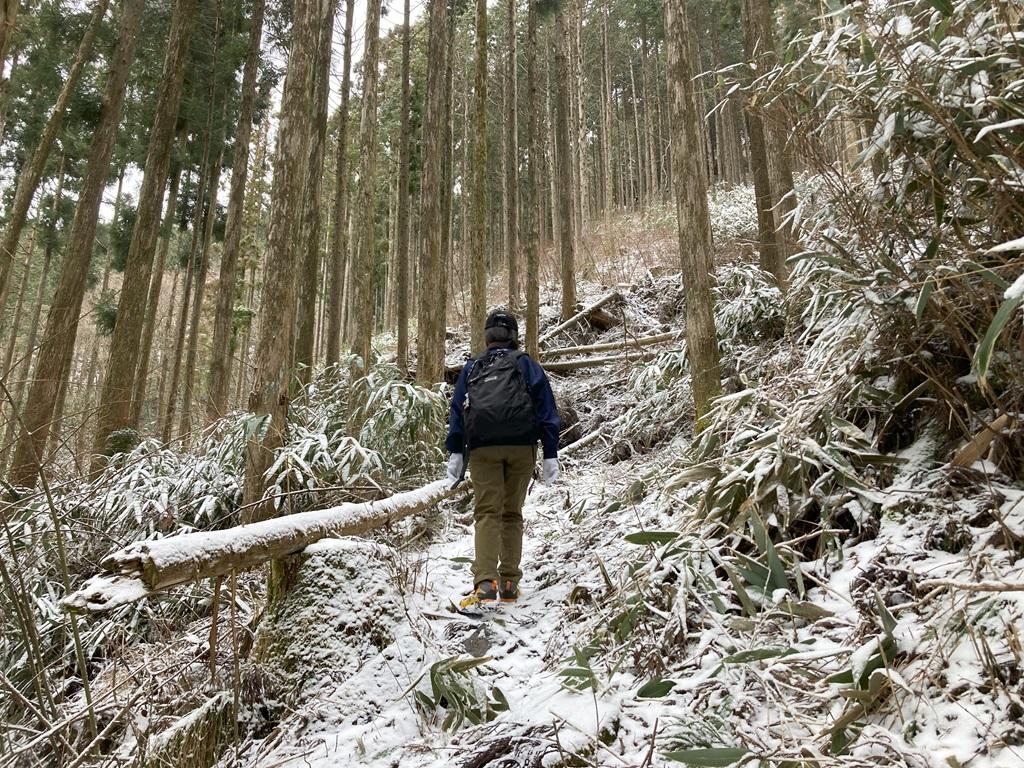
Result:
<point x="600" y="618"/>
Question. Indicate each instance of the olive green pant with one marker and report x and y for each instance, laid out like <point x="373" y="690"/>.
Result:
<point x="501" y="477"/>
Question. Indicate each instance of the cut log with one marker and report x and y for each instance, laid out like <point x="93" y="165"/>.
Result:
<point x="561" y="366"/>
<point x="592" y="313"/>
<point x="145" y="567"/>
<point x="973" y="451"/>
<point x="611" y="346"/>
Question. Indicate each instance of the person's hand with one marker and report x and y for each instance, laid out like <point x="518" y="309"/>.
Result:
<point x="455" y="462"/>
<point x="550" y="467"/>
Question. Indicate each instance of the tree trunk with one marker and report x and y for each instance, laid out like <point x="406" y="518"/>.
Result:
<point x="363" y="301"/>
<point x="162" y="564"/>
<point x="532" y="197"/>
<point x="202" y="193"/>
<point x="29" y="178"/>
<point x="119" y="384"/>
<point x="153" y="302"/>
<point x="431" y="313"/>
<point x="219" y="376"/>
<point x="12" y="339"/>
<point x="167" y="348"/>
<point x="25" y="367"/>
<point x="695" y="247"/>
<point x="8" y="20"/>
<point x="512" y="162"/>
<point x="576" y="128"/>
<point x="564" y="167"/>
<point x="309" y="233"/>
<point x="478" y="268"/>
<point x="759" y="38"/>
<point x="587" y="313"/>
<point x="607" y="178"/>
<point x="62" y="320"/>
<point x="270" y="394"/>
<point x="402" y="299"/>
<point x="772" y="257"/>
<point x="189" y="395"/>
<point x="339" y="241"/>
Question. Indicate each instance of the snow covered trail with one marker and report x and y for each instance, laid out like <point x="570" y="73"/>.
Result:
<point x="368" y="718"/>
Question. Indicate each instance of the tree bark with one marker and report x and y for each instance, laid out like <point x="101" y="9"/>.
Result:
<point x="189" y="395"/>
<point x="512" y="162"/>
<point x="270" y="394"/>
<point x="759" y="39"/>
<point x="532" y="201"/>
<point x="25" y="367"/>
<point x="153" y="302"/>
<point x="363" y="300"/>
<point x="611" y="346"/>
<point x="402" y="287"/>
<point x="12" y="339"/>
<point x="431" y="313"/>
<point x="62" y="320"/>
<point x="772" y="255"/>
<point x="610" y="298"/>
<point x="119" y="384"/>
<point x="219" y="376"/>
<point x="339" y="240"/>
<point x="478" y="268"/>
<point x="29" y="178"/>
<point x="8" y="21"/>
<point x="309" y="233"/>
<point x="564" y="176"/>
<point x="695" y="245"/>
<point x="607" y="178"/>
<point x="171" y="401"/>
<point x="165" y="563"/>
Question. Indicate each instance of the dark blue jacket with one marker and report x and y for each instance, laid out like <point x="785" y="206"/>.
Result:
<point x="543" y="404"/>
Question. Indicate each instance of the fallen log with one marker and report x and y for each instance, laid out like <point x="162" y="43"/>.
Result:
<point x="611" y="346"/>
<point x="592" y="311"/>
<point x="145" y="567"/>
<point x="973" y="586"/>
<point x="560" y="366"/>
<point x="973" y="451"/>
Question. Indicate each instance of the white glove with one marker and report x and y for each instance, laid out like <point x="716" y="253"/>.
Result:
<point x="550" y="471"/>
<point x="455" y="462"/>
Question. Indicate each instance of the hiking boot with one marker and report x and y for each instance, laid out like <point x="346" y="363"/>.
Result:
<point x="509" y="591"/>
<point x="486" y="591"/>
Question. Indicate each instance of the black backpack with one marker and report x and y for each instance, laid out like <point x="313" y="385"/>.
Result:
<point x="499" y="409"/>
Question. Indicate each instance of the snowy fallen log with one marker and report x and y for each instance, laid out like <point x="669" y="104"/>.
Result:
<point x="560" y="366"/>
<point x="145" y="567"/>
<point x="611" y="346"/>
<point x="591" y="312"/>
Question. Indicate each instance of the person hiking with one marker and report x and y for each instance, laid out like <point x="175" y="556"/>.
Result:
<point x="502" y="405"/>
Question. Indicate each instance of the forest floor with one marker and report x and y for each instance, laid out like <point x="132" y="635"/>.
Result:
<point x="642" y="636"/>
<point x="808" y="582"/>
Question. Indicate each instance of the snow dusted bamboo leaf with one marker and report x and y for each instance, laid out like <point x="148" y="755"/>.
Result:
<point x="500" y="703"/>
<point x="923" y="297"/>
<point x="655" y="689"/>
<point x="741" y="592"/>
<point x="651" y="537"/>
<point x="757" y="654"/>
<point x="779" y="579"/>
<point x="983" y="355"/>
<point x="710" y="757"/>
